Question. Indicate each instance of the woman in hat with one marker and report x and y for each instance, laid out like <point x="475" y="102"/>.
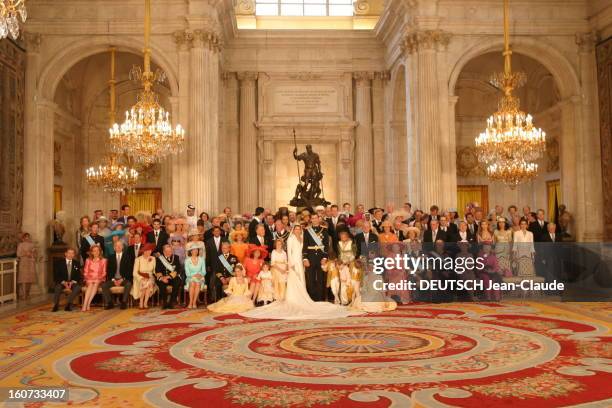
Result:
<point x="412" y="234"/>
<point x="206" y="220"/>
<point x="94" y="273"/>
<point x="252" y="264"/>
<point x="387" y="235"/>
<point x="195" y="271"/>
<point x="239" y="247"/>
<point x="26" y="254"/>
<point x="144" y="275"/>
<point x="238" y="298"/>
<point x="194" y="236"/>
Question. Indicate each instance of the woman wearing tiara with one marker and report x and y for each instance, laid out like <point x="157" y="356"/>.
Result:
<point x="297" y="305"/>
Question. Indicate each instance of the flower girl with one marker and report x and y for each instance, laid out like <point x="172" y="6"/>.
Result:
<point x="266" y="289"/>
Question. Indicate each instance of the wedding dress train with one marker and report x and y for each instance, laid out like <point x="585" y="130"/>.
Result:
<point x="297" y="304"/>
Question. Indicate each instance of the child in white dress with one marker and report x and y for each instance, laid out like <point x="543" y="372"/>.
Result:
<point x="280" y="268"/>
<point x="266" y="290"/>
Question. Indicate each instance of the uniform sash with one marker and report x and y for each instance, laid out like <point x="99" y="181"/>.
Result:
<point x="226" y="264"/>
<point x="168" y="265"/>
<point x="90" y="240"/>
<point x="314" y="236"/>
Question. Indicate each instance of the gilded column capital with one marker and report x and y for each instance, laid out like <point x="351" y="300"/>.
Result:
<point x="206" y="39"/>
<point x="415" y="41"/>
<point x="382" y="75"/>
<point x="247" y="76"/>
<point x="183" y="39"/>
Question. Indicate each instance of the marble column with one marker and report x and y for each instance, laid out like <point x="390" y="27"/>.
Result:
<point x="569" y="162"/>
<point x="230" y="143"/>
<point x="451" y="176"/>
<point x="38" y="162"/>
<point x="181" y="166"/>
<point x="378" y="135"/>
<point x="346" y="148"/>
<point x="248" y="165"/>
<point x="591" y="185"/>
<point x="204" y="120"/>
<point x="422" y="46"/>
<point x="364" y="157"/>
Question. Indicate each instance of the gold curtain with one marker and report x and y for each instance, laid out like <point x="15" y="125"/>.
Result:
<point x="470" y="194"/>
<point x="57" y="199"/>
<point x="143" y="199"/>
<point x="552" y="187"/>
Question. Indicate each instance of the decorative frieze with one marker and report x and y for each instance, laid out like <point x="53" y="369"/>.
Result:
<point x="425" y="40"/>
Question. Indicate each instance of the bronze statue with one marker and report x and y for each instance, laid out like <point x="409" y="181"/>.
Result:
<point x="309" y="191"/>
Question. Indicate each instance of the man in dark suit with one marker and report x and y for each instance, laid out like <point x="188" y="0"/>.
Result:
<point x="262" y="238"/>
<point x="464" y="234"/>
<point x="366" y="240"/>
<point x="118" y="273"/>
<point x="134" y="250"/>
<point x="66" y="275"/>
<point x="257" y="219"/>
<point x="222" y="269"/>
<point x="159" y="237"/>
<point x="539" y="226"/>
<point x="472" y="226"/>
<point x="449" y="228"/>
<point x="168" y="273"/>
<point x="125" y="213"/>
<point x="435" y="233"/>
<point x="214" y="246"/>
<point x="548" y="253"/>
<point x="92" y="239"/>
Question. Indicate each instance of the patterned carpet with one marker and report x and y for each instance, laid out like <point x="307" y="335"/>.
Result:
<point x="519" y="354"/>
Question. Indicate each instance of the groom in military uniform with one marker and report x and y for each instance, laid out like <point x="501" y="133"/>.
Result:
<point x="316" y="241"/>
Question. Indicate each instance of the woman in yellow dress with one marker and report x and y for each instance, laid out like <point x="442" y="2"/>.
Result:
<point x="238" y="298"/>
<point x="387" y="235"/>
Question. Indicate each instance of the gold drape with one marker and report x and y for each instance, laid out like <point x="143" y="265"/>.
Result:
<point x="470" y="194"/>
<point x="552" y="187"/>
<point x="143" y="199"/>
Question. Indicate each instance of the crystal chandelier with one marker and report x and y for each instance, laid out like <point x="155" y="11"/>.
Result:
<point x="511" y="144"/>
<point x="11" y="11"/>
<point x="112" y="176"/>
<point x="147" y="135"/>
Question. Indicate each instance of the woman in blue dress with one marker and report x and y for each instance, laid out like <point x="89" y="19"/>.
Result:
<point x="195" y="271"/>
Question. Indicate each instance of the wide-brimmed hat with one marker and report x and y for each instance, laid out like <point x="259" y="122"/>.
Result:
<point x="235" y="233"/>
<point x="386" y="224"/>
<point x="407" y="228"/>
<point x="192" y="232"/>
<point x="263" y="251"/>
<point x="194" y="245"/>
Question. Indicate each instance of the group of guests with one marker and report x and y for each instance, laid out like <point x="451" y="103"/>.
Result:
<point x="245" y="255"/>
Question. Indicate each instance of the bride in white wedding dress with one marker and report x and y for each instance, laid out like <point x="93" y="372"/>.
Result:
<point x="297" y="304"/>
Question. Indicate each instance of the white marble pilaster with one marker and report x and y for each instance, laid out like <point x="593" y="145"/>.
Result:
<point x="181" y="163"/>
<point x="591" y="185"/>
<point x="364" y="157"/>
<point x="378" y="135"/>
<point x="248" y="164"/>
<point x="569" y="161"/>
<point x="423" y="46"/>
<point x="451" y="176"/>
<point x="204" y="120"/>
<point x="346" y="192"/>
<point x="230" y="143"/>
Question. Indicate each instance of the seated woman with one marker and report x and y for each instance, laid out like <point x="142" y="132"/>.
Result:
<point x="195" y="271"/>
<point x="238" y="296"/>
<point x="144" y="276"/>
<point x="94" y="274"/>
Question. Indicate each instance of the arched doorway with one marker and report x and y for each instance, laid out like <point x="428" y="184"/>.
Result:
<point x="477" y="100"/>
<point x="80" y="130"/>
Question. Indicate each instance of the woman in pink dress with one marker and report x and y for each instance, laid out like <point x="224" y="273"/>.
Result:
<point x="94" y="273"/>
